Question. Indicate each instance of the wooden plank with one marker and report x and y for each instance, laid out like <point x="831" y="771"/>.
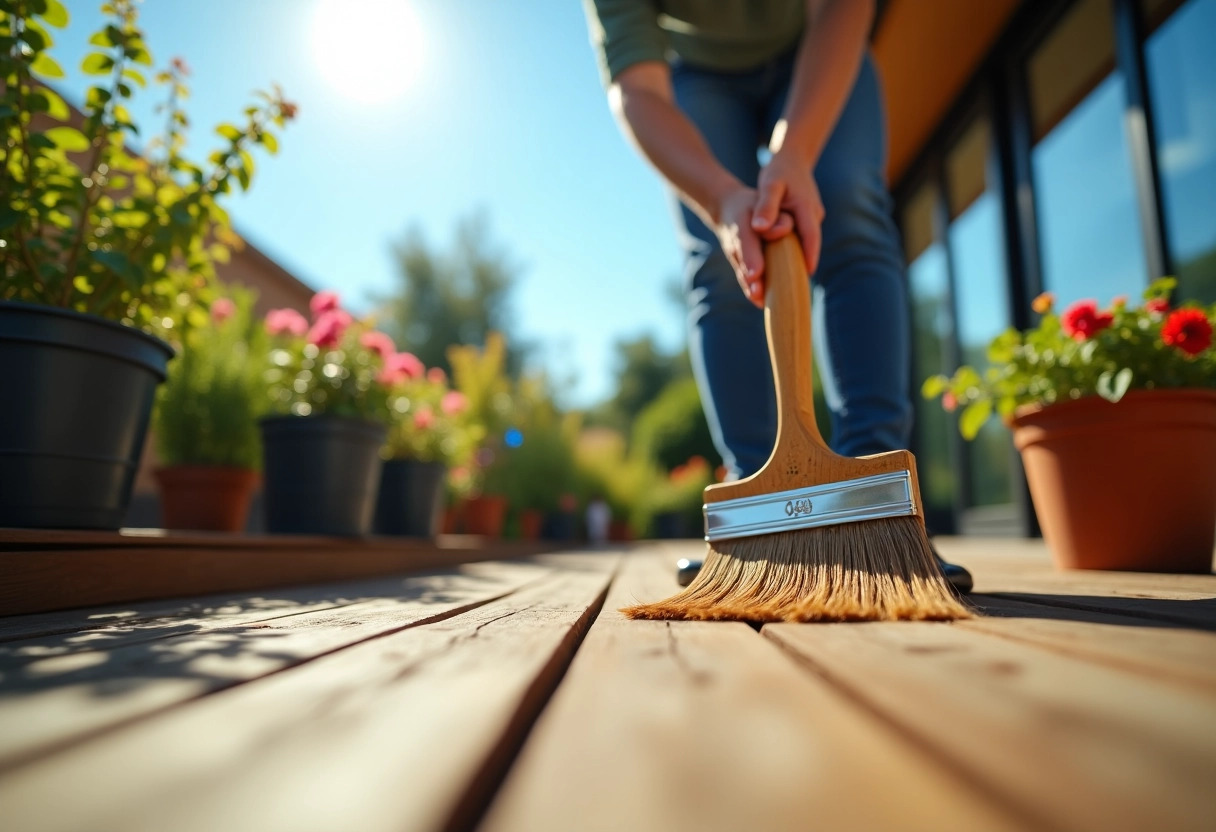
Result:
<point x="47" y="703"/>
<point x="699" y="725"/>
<point x="122" y="617"/>
<point x="1165" y="652"/>
<point x="44" y="580"/>
<point x="109" y="629"/>
<point x="1079" y="746"/>
<point x="394" y="733"/>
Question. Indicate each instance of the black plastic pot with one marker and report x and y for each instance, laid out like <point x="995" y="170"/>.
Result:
<point x="560" y="525"/>
<point x="74" y="412"/>
<point x="411" y="498"/>
<point x="320" y="474"/>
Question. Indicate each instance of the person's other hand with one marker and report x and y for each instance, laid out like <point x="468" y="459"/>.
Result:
<point x="786" y="185"/>
<point x="742" y="242"/>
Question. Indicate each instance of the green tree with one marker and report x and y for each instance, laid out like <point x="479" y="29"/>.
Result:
<point x="454" y="297"/>
<point x="672" y="429"/>
<point x="642" y="371"/>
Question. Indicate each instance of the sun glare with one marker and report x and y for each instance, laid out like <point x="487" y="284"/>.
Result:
<point x="368" y="50"/>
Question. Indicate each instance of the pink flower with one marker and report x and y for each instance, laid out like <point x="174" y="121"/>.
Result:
<point x="436" y="375"/>
<point x="424" y="419"/>
<point x="399" y="367"/>
<point x="222" y="310"/>
<point x="453" y="402"/>
<point x="949" y="402"/>
<point x="329" y="328"/>
<point x="379" y="343"/>
<point x="286" y="321"/>
<point x="323" y="302"/>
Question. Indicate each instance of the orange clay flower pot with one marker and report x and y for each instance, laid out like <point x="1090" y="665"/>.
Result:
<point x="205" y="497"/>
<point x="1129" y="485"/>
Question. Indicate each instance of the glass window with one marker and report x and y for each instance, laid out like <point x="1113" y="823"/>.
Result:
<point x="1089" y="230"/>
<point x="1182" y="82"/>
<point x="929" y="284"/>
<point x="977" y="248"/>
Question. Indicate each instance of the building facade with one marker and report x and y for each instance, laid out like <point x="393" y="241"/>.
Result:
<point x="1044" y="145"/>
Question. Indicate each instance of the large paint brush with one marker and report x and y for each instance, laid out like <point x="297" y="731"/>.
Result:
<point x="812" y="536"/>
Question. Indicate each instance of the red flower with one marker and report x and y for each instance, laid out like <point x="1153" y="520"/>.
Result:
<point x="1189" y="330"/>
<point x="323" y="302"/>
<point x="1082" y="320"/>
<point x="329" y="328"/>
<point x="1157" y="305"/>
<point x="949" y="402"/>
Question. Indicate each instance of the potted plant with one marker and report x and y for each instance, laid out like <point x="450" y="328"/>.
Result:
<point x="329" y="384"/>
<point x="480" y="374"/>
<point x="205" y="420"/>
<point x="1114" y="413"/>
<point x="675" y="505"/>
<point x="100" y="251"/>
<point x="429" y="432"/>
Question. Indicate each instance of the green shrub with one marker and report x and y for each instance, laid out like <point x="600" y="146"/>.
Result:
<point x="207" y="410"/>
<point x="672" y="429"/>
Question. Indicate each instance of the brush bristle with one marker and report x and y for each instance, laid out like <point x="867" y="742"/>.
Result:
<point x="875" y="570"/>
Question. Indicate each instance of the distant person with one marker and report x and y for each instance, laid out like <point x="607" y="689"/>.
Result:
<point x="705" y="89"/>
<point x="599" y="517"/>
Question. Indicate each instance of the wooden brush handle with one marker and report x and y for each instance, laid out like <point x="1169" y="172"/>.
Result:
<point x="800" y="457"/>
<point x="787" y="322"/>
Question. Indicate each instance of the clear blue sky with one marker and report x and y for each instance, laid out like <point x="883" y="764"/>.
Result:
<point x="505" y="114"/>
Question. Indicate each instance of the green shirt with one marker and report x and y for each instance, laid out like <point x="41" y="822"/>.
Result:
<point x="728" y="35"/>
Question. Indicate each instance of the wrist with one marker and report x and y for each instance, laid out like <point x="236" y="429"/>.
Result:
<point x="715" y="194"/>
<point x="787" y="146"/>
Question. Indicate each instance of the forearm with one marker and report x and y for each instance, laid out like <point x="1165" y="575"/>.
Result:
<point x="829" y="57"/>
<point x="673" y="145"/>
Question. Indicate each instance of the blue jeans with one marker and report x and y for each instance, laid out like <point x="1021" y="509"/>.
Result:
<point x="860" y="307"/>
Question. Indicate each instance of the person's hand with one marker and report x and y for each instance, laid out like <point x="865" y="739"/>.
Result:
<point x="786" y="186"/>
<point x="742" y="242"/>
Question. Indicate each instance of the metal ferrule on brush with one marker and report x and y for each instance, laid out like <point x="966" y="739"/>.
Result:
<point x="865" y="498"/>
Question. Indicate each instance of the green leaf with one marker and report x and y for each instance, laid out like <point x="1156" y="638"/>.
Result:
<point x="117" y="263"/>
<point x="229" y="131"/>
<point x="55" y="14"/>
<point x="270" y="142"/>
<point x="68" y="138"/>
<point x="973" y="418"/>
<point x="1112" y="386"/>
<point x="135" y="76"/>
<point x="57" y="108"/>
<point x="101" y="39"/>
<point x="46" y="66"/>
<point x="934" y="386"/>
<point x="96" y="64"/>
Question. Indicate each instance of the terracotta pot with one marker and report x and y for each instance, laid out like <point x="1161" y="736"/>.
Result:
<point x="619" y="530"/>
<point x="484" y="515"/>
<point x="1128" y="486"/>
<point x="531" y="522"/>
<point x="211" y="498"/>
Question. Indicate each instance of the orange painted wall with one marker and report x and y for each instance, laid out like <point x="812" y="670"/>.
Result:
<point x="926" y="51"/>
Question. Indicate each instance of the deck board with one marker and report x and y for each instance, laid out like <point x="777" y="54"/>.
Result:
<point x="1079" y="745"/>
<point x="468" y="698"/>
<point x="48" y="701"/>
<point x="697" y="725"/>
<point x="404" y="731"/>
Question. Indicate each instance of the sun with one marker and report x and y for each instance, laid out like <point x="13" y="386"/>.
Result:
<point x="370" y="51"/>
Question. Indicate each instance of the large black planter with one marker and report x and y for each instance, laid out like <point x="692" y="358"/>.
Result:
<point x="411" y="498"/>
<point x="77" y="395"/>
<point x="320" y="474"/>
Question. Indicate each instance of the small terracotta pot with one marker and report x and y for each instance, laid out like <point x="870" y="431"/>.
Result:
<point x="531" y="522"/>
<point x="205" y="497"/>
<point x="484" y="515"/>
<point x="1129" y="485"/>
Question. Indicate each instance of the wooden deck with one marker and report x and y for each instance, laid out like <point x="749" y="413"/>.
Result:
<point x="512" y="696"/>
